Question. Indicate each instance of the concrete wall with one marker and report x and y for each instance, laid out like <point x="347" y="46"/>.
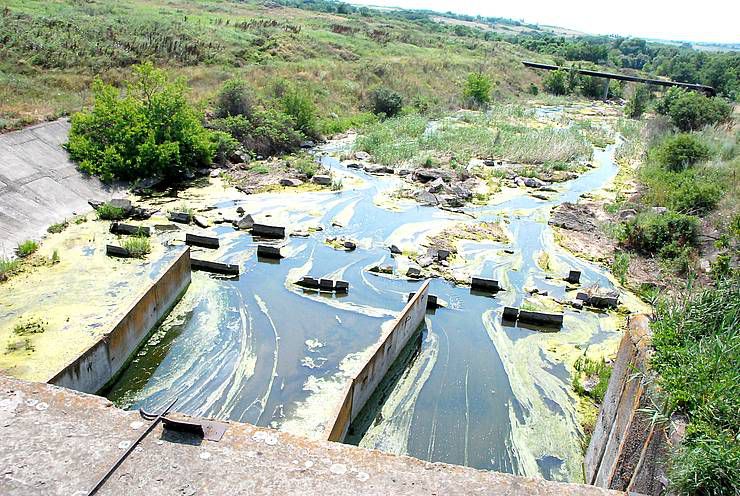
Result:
<point x="94" y="369"/>
<point x="385" y="353"/>
<point x="628" y="450"/>
<point x="39" y="185"/>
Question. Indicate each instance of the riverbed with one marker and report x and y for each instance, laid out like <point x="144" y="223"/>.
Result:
<point x="472" y="392"/>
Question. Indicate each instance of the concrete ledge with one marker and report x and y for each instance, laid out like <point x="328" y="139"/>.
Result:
<point x="382" y="357"/>
<point x="57" y="441"/>
<point x="99" y="365"/>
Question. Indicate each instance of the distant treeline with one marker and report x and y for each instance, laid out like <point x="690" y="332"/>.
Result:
<point x="679" y="63"/>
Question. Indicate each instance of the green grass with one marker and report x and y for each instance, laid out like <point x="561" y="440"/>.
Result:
<point x="27" y="248"/>
<point x="620" y="266"/>
<point x="138" y="246"/>
<point x="697" y="356"/>
<point x="30" y="326"/>
<point x="58" y="227"/>
<point x="110" y="212"/>
<point x="596" y="371"/>
<point x="8" y="268"/>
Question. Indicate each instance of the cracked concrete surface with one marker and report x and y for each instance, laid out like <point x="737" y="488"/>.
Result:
<point x="39" y="185"/>
<point x="57" y="441"/>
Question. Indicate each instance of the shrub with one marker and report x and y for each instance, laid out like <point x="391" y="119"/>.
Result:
<point x="234" y="98"/>
<point x="299" y="106"/>
<point x="696" y="197"/>
<point x="150" y="130"/>
<point x="138" y="246"/>
<point x="224" y="146"/>
<point x="106" y="211"/>
<point x="27" y="248"/>
<point x="650" y="233"/>
<point x="591" y="369"/>
<point x="477" y="88"/>
<point x="621" y="266"/>
<point x="385" y="101"/>
<point x="306" y="165"/>
<point x="58" y="227"/>
<point x="8" y="268"/>
<point x="266" y="132"/>
<point x="533" y="89"/>
<point x="679" y="151"/>
<point x="637" y="102"/>
<point x="556" y="82"/>
<point x="690" y="110"/>
<point x="592" y="87"/>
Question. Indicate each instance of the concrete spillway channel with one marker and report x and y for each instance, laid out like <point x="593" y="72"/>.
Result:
<point x="465" y="387"/>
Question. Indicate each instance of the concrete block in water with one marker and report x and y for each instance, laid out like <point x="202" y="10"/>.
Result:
<point x="202" y="241"/>
<point x="432" y="301"/>
<point x="604" y="301"/>
<point x="414" y="273"/>
<point x="121" y="228"/>
<point x="341" y="286"/>
<point x="482" y="284"/>
<point x="544" y="318"/>
<point x="574" y="277"/>
<point x="308" y="282"/>
<point x="268" y="251"/>
<point x="326" y="284"/>
<point x="117" y="251"/>
<point x="214" y="267"/>
<point x="266" y="231"/>
<point x="181" y="217"/>
<point x="510" y="313"/>
<point x="584" y="297"/>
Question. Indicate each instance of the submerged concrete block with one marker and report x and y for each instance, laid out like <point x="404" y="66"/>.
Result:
<point x="574" y="277"/>
<point x="128" y="229"/>
<point x="268" y="251"/>
<point x="483" y="284"/>
<point x="266" y="231"/>
<point x="181" y="217"/>
<point x="326" y="284"/>
<point x="604" y="301"/>
<point x="544" y="318"/>
<point x="308" y="282"/>
<point x="214" y="267"/>
<point x="432" y="301"/>
<point x="202" y="241"/>
<point x="510" y="313"/>
<point x="341" y="286"/>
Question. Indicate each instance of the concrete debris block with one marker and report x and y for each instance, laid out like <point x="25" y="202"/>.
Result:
<point x="584" y="297"/>
<point x="441" y="254"/>
<point x="300" y="234"/>
<point x="452" y="201"/>
<point x="121" y="228"/>
<point x="322" y="179"/>
<point x="461" y="191"/>
<point x="202" y="241"/>
<point x="181" y="217"/>
<point x="166" y="227"/>
<point x="533" y="182"/>
<point x="200" y="221"/>
<point x="483" y="284"/>
<point x="290" y="182"/>
<point x="140" y="213"/>
<point x="265" y="231"/>
<point x="353" y="165"/>
<point x="395" y="250"/>
<point x="95" y="204"/>
<point x="425" y="261"/>
<point x="267" y="251"/>
<point x="403" y="172"/>
<point x="326" y="285"/>
<point x="360" y="155"/>
<point x="349" y="245"/>
<point x="508" y="251"/>
<point x="577" y="304"/>
<point x="436" y="185"/>
<point x="240" y="210"/>
<point x="432" y="301"/>
<point x="543" y="318"/>
<point x="341" y="286"/>
<point x="116" y="251"/>
<point x="377" y="169"/>
<point x="381" y="269"/>
<point x="426" y="198"/>
<point x="604" y="301"/>
<point x="414" y="273"/>
<point x="510" y="313"/>
<point x="424" y="175"/>
<point x="308" y="282"/>
<point x="245" y="223"/>
<point x="574" y="277"/>
<point x="214" y="267"/>
<point x="122" y="203"/>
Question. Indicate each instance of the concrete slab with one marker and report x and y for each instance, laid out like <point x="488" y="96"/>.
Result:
<point x="57" y="441"/>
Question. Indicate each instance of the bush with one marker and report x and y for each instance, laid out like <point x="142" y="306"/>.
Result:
<point x="592" y="87"/>
<point x="234" y="98"/>
<point x="533" y="89"/>
<point x="637" y="103"/>
<point x="679" y="151"/>
<point x="649" y="233"/>
<point x="477" y="88"/>
<point x="385" y="101"/>
<point x="150" y="130"/>
<point x="27" y="248"/>
<point x="697" y="351"/>
<point x="266" y="132"/>
<point x="306" y="165"/>
<point x="695" y="197"/>
<point x="224" y="146"/>
<point x="556" y="82"/>
<point x="690" y="110"/>
<point x="303" y="111"/>
<point x="137" y="246"/>
<point x="106" y="211"/>
<point x="58" y="227"/>
<point x="8" y="268"/>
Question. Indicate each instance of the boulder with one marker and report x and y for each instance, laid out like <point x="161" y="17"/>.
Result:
<point x="349" y="245"/>
<point x="354" y="165"/>
<point x="290" y="182"/>
<point x="378" y="169"/>
<point x="122" y="203"/>
<point x="395" y="250"/>
<point x="627" y="214"/>
<point x="461" y="192"/>
<point x="414" y="273"/>
<point x="240" y="210"/>
<point x="215" y="173"/>
<point x="360" y="155"/>
<point x="436" y="185"/>
<point x="200" y="221"/>
<point x="425" y="175"/>
<point x="403" y="172"/>
<point x="533" y="182"/>
<point x="245" y="223"/>
<point x="381" y="269"/>
<point x="425" y="261"/>
<point x="451" y="201"/>
<point x="659" y="210"/>
<point x="426" y="198"/>
<point x="322" y="180"/>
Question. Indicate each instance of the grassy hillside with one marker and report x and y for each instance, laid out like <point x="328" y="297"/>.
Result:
<point x="51" y="51"/>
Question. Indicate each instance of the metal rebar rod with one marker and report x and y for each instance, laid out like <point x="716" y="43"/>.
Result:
<point x="130" y="449"/>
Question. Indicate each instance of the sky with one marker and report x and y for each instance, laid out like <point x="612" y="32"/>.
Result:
<point x="716" y="21"/>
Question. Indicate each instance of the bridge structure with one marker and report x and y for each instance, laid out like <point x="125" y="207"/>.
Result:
<point x="709" y="90"/>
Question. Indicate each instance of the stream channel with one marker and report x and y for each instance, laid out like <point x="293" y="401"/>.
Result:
<point x="471" y="391"/>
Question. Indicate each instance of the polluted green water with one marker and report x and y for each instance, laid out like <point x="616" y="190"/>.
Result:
<point x="470" y="391"/>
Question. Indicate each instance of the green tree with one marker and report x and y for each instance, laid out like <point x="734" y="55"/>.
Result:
<point x="556" y="82"/>
<point x="147" y="130"/>
<point x="234" y="98"/>
<point x="386" y="101"/>
<point x="637" y="102"/>
<point x="477" y="88"/>
<point x="299" y="106"/>
<point x="690" y="110"/>
<point x="679" y="151"/>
